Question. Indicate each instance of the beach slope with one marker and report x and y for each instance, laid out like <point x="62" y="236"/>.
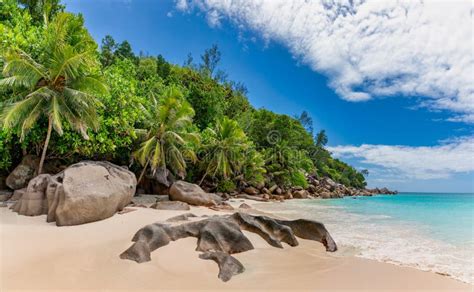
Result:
<point x="37" y="255"/>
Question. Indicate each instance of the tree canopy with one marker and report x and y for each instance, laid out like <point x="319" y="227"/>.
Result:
<point x="189" y="118"/>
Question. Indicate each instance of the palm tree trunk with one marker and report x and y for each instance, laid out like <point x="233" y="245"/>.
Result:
<point x="203" y="177"/>
<point x="143" y="172"/>
<point x="45" y="147"/>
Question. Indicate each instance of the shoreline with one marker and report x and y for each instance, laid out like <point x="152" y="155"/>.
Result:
<point x="39" y="255"/>
<point x="393" y="241"/>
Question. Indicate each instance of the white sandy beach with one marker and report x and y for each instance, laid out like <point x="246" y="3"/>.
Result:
<point x="36" y="255"/>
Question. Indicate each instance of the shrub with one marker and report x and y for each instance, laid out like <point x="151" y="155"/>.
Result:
<point x="226" y="186"/>
<point x="298" y="179"/>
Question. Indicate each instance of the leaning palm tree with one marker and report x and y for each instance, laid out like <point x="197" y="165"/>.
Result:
<point x="225" y="148"/>
<point x="56" y="85"/>
<point x="168" y="140"/>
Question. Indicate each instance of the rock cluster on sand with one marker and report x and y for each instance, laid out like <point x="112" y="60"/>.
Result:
<point x="220" y="236"/>
<point x="324" y="188"/>
<point x="28" y="169"/>
<point x="23" y="173"/>
<point x="84" y="192"/>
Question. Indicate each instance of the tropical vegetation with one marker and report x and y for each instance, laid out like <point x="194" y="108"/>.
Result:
<point x="105" y="102"/>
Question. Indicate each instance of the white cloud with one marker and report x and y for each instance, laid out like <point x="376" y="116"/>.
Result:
<point x="369" y="48"/>
<point x="213" y="18"/>
<point x="395" y="162"/>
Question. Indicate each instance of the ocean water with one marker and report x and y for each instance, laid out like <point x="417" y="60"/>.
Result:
<point x="428" y="231"/>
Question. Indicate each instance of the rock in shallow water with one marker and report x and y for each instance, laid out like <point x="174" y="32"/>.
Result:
<point x="223" y="234"/>
<point x="84" y="192"/>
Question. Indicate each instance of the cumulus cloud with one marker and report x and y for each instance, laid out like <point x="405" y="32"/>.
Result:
<point x="369" y="48"/>
<point x="398" y="162"/>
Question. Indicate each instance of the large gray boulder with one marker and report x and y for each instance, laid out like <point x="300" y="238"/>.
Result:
<point x="192" y="194"/>
<point x="84" y="192"/>
<point x="33" y="201"/>
<point x="23" y="172"/>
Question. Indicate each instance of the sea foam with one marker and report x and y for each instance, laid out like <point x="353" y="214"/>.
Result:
<point x="383" y="238"/>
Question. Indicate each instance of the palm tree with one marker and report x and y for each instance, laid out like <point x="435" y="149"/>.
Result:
<point x="168" y="139"/>
<point x="225" y="149"/>
<point x="321" y="139"/>
<point x="56" y="85"/>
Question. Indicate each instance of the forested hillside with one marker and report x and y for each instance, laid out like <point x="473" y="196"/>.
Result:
<point x="104" y="102"/>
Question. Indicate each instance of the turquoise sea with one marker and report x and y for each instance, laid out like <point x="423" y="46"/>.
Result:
<point x="428" y="231"/>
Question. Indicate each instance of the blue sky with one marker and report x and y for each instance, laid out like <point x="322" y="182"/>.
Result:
<point x="378" y="113"/>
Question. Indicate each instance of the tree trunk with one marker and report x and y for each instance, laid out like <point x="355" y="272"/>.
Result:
<point x="45" y="147"/>
<point x="143" y="172"/>
<point x="202" y="179"/>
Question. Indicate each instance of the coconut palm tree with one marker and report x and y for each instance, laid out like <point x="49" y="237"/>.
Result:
<point x="56" y="85"/>
<point x="168" y="139"/>
<point x="225" y="148"/>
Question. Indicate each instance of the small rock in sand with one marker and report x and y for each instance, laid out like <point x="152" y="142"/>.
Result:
<point x="244" y="206"/>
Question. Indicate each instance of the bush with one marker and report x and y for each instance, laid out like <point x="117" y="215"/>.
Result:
<point x="226" y="186"/>
<point x="298" y="179"/>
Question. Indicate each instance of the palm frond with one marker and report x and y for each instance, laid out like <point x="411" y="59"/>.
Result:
<point x="156" y="158"/>
<point x="144" y="152"/>
<point x="89" y="84"/>
<point x="55" y="115"/>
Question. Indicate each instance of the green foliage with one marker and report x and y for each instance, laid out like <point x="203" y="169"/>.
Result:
<point x="151" y="105"/>
<point x="147" y="68"/>
<point x="268" y="128"/>
<point x="203" y="93"/>
<point x="224" y="149"/>
<point x="163" y="68"/>
<point x="282" y="161"/>
<point x="118" y="116"/>
<point x="17" y="30"/>
<point x="226" y="186"/>
<point x="343" y="173"/>
<point x="108" y="47"/>
<point x="42" y="10"/>
<point x="59" y="84"/>
<point x="321" y="139"/>
<point x="5" y="150"/>
<point x="253" y="167"/>
<point x="299" y="179"/>
<point x="210" y="60"/>
<point x="112" y="51"/>
<point x="168" y="141"/>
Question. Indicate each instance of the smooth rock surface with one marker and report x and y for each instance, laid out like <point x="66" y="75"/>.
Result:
<point x="216" y="233"/>
<point x="84" y="192"/>
<point x="23" y="172"/>
<point x="5" y="195"/>
<point x="192" y="194"/>
<point x="171" y="205"/>
<point x="228" y="265"/>
<point x="182" y="217"/>
<point x="221" y="236"/>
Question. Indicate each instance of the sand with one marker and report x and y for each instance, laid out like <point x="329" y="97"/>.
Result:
<point x="36" y="255"/>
